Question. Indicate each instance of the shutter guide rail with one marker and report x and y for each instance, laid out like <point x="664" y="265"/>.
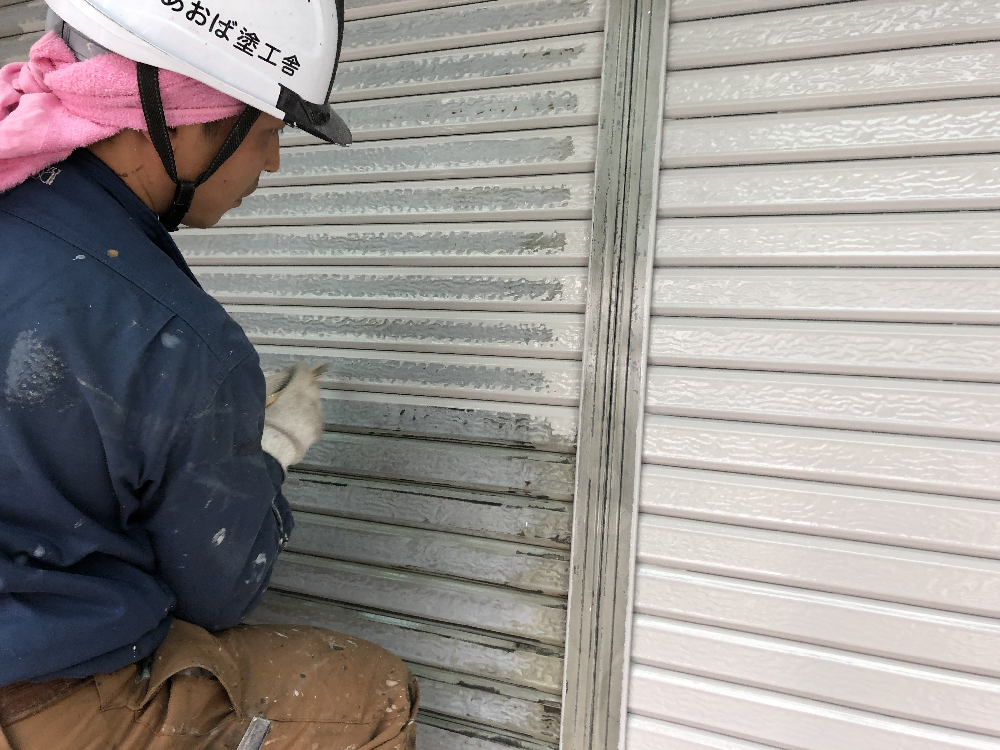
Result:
<point x="628" y="148"/>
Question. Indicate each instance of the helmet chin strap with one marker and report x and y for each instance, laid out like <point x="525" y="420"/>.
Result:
<point x="156" y="121"/>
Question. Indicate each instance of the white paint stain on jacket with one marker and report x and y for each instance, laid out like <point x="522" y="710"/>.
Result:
<point x="33" y="370"/>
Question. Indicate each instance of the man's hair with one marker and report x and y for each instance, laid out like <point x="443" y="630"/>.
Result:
<point x="213" y="130"/>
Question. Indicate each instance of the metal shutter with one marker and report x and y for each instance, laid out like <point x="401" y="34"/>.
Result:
<point x="819" y="535"/>
<point x="440" y="265"/>
<point x="21" y="25"/>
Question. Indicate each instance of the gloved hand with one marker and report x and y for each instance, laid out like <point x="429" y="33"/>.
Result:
<point x="293" y="419"/>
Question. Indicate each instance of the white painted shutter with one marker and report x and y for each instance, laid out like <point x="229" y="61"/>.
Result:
<point x="439" y="264"/>
<point x="819" y="538"/>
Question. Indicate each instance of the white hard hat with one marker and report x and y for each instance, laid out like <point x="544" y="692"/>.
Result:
<point x="278" y="57"/>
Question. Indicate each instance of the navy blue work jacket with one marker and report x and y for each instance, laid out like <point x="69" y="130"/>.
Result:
<point x="133" y="487"/>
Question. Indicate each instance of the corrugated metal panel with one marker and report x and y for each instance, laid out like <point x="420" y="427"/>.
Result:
<point x="440" y="265"/>
<point x="818" y="563"/>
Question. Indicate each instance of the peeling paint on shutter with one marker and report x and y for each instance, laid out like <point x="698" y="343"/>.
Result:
<point x="440" y="265"/>
<point x="818" y="565"/>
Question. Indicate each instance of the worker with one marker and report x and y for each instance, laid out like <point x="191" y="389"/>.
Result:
<point x="141" y="460"/>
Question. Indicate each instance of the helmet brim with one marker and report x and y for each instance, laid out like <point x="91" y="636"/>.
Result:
<point x="334" y="131"/>
<point x="316" y="119"/>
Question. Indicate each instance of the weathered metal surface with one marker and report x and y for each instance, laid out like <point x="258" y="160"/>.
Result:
<point x="897" y="130"/>
<point x="489" y="702"/>
<point x="839" y="29"/>
<point x="970" y="585"/>
<point x="24" y="18"/>
<point x="783" y="721"/>
<point x="463" y="26"/>
<point x="355" y="9"/>
<point x="443" y="157"/>
<point x="938" y="239"/>
<point x="549" y="243"/>
<point x="561" y="58"/>
<point x="910" y="295"/>
<point x="15" y="48"/>
<point x="954" y="183"/>
<point x="515" y="379"/>
<point x="557" y="104"/>
<point x="508" y="334"/>
<point x="687" y="10"/>
<point x="493" y="469"/>
<point x="545" y="428"/>
<point x="938" y="523"/>
<point x="893" y="688"/>
<point x="544" y="571"/>
<point x="516" y="613"/>
<point x="967" y="468"/>
<point x="876" y="78"/>
<point x="951" y="352"/>
<point x="465" y="737"/>
<point x="503" y="199"/>
<point x="868" y="626"/>
<point x="492" y="515"/>
<point x="423" y="642"/>
<point x="908" y="407"/>
<point x="501" y="289"/>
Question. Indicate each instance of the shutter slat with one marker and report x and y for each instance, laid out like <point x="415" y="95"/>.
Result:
<point x="839" y="29"/>
<point x="501" y="289"/>
<point x="508" y="334"/>
<point x="893" y="688"/>
<point x="515" y="613"/>
<point x="967" y="468"/>
<point x="958" y="410"/>
<point x="686" y="10"/>
<point x="877" y="78"/>
<point x="881" y="628"/>
<point x="422" y="642"/>
<point x="786" y="721"/>
<point x="560" y="103"/>
<point x="560" y="58"/>
<point x="932" y="184"/>
<point x="491" y="515"/>
<point x="937" y="523"/>
<point x="926" y="579"/>
<point x="489" y="702"/>
<point x="960" y="239"/>
<point x="432" y="552"/>
<point x="951" y="352"/>
<point x="15" y="48"/>
<point x="469" y="25"/>
<point x="899" y="130"/>
<point x="563" y="243"/>
<point x="502" y="199"/>
<point x="544" y="428"/>
<point x="25" y="18"/>
<point x="910" y="295"/>
<point x="494" y="469"/>
<point x="443" y="157"/>
<point x="535" y="381"/>
<point x="650" y="734"/>
<point x="354" y="9"/>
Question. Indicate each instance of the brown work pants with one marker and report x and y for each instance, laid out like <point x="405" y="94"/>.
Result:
<point x="322" y="691"/>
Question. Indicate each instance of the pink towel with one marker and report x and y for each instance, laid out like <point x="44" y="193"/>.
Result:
<point x="53" y="105"/>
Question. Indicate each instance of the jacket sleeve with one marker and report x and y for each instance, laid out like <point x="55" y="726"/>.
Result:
<point x="215" y="516"/>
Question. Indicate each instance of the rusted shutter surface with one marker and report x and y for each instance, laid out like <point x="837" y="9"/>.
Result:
<point x="439" y="265"/>
<point x="819" y="545"/>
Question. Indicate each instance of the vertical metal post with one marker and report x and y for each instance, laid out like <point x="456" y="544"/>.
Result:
<point x="614" y="361"/>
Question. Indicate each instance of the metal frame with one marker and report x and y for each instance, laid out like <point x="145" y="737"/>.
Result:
<point x="614" y="375"/>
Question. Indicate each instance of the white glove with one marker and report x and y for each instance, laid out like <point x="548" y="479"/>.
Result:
<point x="293" y="420"/>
